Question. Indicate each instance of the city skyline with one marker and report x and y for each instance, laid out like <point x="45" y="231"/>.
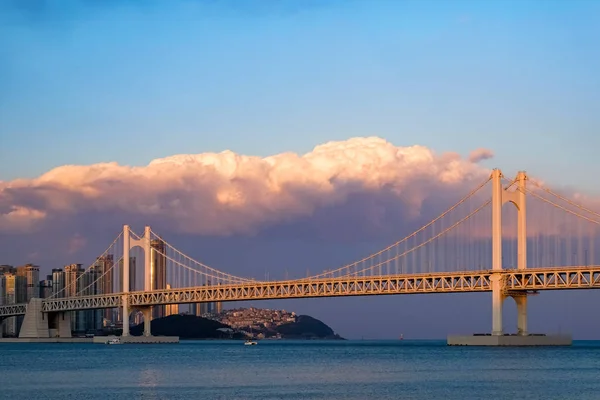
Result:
<point x="21" y="284"/>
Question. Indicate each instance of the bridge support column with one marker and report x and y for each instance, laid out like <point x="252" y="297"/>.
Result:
<point x="64" y="324"/>
<point x="496" y="279"/>
<point x="125" y="276"/>
<point x="147" y="312"/>
<point x="1" y="327"/>
<point x="521" y="314"/>
<point x="125" y="302"/>
<point x="498" y="298"/>
<point x="520" y="201"/>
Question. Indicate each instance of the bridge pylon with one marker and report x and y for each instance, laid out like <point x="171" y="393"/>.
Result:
<point x="518" y="198"/>
<point x="129" y="243"/>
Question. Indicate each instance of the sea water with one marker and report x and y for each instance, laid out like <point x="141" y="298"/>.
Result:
<point x="298" y="370"/>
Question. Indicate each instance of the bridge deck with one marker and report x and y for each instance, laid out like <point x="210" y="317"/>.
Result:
<point x="561" y="278"/>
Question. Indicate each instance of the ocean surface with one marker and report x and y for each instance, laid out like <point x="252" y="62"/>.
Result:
<point x="298" y="370"/>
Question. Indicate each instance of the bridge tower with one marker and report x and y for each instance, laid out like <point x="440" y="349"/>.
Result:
<point x="128" y="244"/>
<point x="500" y="196"/>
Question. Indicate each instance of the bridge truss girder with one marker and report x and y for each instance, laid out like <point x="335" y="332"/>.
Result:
<point x="514" y="282"/>
<point x="11" y="310"/>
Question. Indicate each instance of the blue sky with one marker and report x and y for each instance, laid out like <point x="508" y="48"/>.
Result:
<point x="84" y="82"/>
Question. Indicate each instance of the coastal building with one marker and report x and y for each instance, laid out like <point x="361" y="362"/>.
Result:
<point x="6" y="269"/>
<point x="2" y="290"/>
<point x="31" y="273"/>
<point x="132" y="274"/>
<point x="58" y="282"/>
<point x="46" y="287"/>
<point x="255" y="318"/>
<point x="73" y="273"/>
<point x="90" y="284"/>
<point x="200" y="309"/>
<point x="104" y="267"/>
<point x="137" y="317"/>
<point x="15" y="292"/>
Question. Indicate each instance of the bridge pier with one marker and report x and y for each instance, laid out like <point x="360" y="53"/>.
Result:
<point x="521" y="301"/>
<point x="38" y="324"/>
<point x="498" y="298"/>
<point x="147" y="312"/>
<point x="35" y="323"/>
<point x="125" y="302"/>
<point x="125" y="314"/>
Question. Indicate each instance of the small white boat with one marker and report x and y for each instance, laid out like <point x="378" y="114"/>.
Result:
<point x="113" y="341"/>
<point x="250" y="343"/>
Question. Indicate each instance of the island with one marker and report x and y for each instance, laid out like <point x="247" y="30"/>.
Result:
<point x="240" y="323"/>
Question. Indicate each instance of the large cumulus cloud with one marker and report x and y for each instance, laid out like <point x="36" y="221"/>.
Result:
<point x="229" y="194"/>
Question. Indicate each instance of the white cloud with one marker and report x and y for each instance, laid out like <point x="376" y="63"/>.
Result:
<point x="228" y="193"/>
<point x="478" y="155"/>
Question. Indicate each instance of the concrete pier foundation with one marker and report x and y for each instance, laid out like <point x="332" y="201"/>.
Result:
<point x="41" y="325"/>
<point x="510" y="340"/>
<point x="35" y="323"/>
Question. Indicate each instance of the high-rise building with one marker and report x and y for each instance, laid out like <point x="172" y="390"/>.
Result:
<point x="58" y="282"/>
<point x="16" y="292"/>
<point x="200" y="309"/>
<point x="3" y="300"/>
<point x="2" y="291"/>
<point x="138" y="317"/>
<point x="132" y="274"/>
<point x="73" y="276"/>
<point x="218" y="307"/>
<point x="158" y="272"/>
<point x="46" y="288"/>
<point x="6" y="269"/>
<point x="104" y="267"/>
<point x="91" y="284"/>
<point x="171" y="309"/>
<point x="31" y="273"/>
<point x="195" y="309"/>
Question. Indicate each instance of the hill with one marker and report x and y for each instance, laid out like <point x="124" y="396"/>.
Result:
<point x="186" y="327"/>
<point x="193" y="327"/>
<point x="306" y="327"/>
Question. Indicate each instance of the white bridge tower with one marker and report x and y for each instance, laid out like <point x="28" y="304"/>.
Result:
<point x="518" y="198"/>
<point x="129" y="243"/>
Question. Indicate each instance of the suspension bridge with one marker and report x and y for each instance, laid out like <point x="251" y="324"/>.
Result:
<point x="510" y="237"/>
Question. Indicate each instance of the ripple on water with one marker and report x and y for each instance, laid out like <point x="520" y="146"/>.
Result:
<point x="297" y="370"/>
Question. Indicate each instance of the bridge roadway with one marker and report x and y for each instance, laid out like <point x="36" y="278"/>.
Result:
<point x="531" y="279"/>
